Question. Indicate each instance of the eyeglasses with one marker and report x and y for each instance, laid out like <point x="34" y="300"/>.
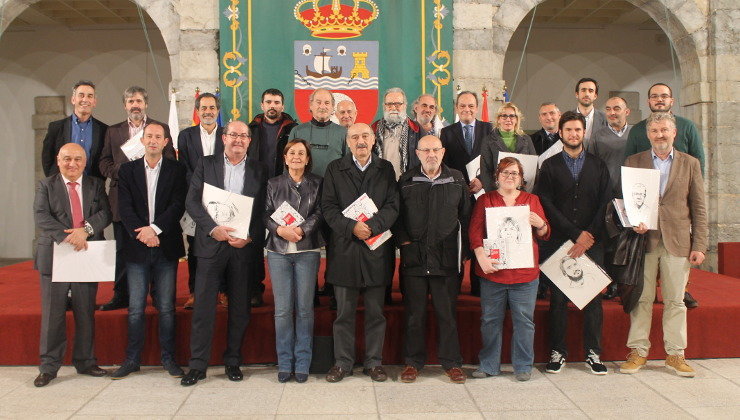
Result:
<point x="394" y="104"/>
<point x="234" y="136"/>
<point x="663" y="96"/>
<point x="432" y="150"/>
<point x="505" y="116"/>
<point x="509" y="174"/>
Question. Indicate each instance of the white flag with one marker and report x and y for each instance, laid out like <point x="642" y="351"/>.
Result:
<point x="174" y="125"/>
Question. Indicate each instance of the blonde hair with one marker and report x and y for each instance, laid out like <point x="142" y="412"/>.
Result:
<point x="518" y="125"/>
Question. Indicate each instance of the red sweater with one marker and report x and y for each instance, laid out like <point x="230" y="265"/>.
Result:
<point x="477" y="230"/>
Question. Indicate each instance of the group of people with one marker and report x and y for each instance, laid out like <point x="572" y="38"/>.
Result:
<point x="360" y="192"/>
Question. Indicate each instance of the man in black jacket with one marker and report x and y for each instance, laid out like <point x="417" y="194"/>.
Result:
<point x="353" y="267"/>
<point x="543" y="139"/>
<point x="574" y="189"/>
<point x="435" y="209"/>
<point x="81" y="128"/>
<point x="270" y="132"/>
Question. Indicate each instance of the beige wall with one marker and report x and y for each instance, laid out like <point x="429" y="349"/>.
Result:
<point x="48" y="62"/>
<point x="620" y="58"/>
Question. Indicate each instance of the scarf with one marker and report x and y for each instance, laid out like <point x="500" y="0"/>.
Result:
<point x="384" y="126"/>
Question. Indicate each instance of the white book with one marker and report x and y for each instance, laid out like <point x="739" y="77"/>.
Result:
<point x="362" y="210"/>
<point x="134" y="148"/>
<point x="286" y="215"/>
<point x="229" y="209"/>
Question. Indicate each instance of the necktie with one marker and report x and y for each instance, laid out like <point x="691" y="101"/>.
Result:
<point x="468" y="136"/>
<point x="74" y="199"/>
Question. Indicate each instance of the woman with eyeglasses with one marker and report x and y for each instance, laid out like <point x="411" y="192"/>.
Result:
<point x="498" y="287"/>
<point x="507" y="136"/>
<point x="293" y="255"/>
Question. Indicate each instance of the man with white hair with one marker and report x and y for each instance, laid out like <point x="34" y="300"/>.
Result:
<point x="346" y="113"/>
<point x="425" y="114"/>
<point x="396" y="135"/>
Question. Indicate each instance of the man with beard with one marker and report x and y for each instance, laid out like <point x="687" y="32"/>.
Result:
<point x="425" y="113"/>
<point x="587" y="90"/>
<point x="135" y="102"/>
<point x="346" y="113"/>
<point x="660" y="99"/>
<point x="549" y="116"/>
<point x="193" y="143"/>
<point x="396" y="135"/>
<point x="270" y="131"/>
<point x="435" y="209"/>
<point x="574" y="189"/>
<point x="326" y="138"/>
<point x="352" y="267"/>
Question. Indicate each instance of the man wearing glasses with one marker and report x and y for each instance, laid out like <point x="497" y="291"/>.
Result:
<point x="221" y="255"/>
<point x="396" y="135"/>
<point x="660" y="99"/>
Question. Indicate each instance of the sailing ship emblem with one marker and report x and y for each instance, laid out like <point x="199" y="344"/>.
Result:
<point x="322" y="67"/>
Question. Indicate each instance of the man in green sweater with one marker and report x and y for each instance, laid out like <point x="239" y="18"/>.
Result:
<point x="660" y="99"/>
<point x="327" y="139"/>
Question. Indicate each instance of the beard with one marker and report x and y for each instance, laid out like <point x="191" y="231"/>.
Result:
<point x="424" y="120"/>
<point x="394" y="117"/>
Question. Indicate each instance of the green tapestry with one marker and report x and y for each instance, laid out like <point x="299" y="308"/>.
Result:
<point x="355" y="48"/>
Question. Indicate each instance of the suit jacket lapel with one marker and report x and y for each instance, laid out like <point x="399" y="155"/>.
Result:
<point x="677" y="160"/>
<point x="458" y="135"/>
<point x="197" y="145"/>
<point x="67" y="130"/>
<point x="88" y="194"/>
<point x="477" y="137"/>
<point x="163" y="185"/>
<point x="218" y="148"/>
<point x="60" y="192"/>
<point x="140" y="181"/>
<point x="219" y="169"/>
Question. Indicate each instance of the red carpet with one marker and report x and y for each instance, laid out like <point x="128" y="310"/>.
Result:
<point x="709" y="327"/>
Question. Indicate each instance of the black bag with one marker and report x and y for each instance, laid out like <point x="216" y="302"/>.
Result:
<point x="629" y="258"/>
<point x="323" y="354"/>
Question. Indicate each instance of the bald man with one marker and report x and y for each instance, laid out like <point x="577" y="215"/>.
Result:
<point x="70" y="208"/>
<point x="346" y="113"/>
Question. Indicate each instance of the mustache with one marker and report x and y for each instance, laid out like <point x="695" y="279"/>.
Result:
<point x="361" y="146"/>
<point x="135" y="109"/>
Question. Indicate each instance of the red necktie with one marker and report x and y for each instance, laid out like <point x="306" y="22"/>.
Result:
<point x="74" y="200"/>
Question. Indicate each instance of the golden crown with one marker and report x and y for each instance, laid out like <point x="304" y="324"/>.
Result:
<point x="336" y="20"/>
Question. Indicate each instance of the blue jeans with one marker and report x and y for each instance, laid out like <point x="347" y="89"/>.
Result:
<point x="161" y="273"/>
<point x="293" y="277"/>
<point x="521" y="298"/>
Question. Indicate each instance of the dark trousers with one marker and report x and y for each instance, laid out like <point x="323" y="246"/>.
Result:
<point x="235" y="265"/>
<point x="257" y="279"/>
<point x="344" y="325"/>
<point x="193" y="268"/>
<point x="444" y="290"/>
<point x="120" y="286"/>
<point x="593" y="315"/>
<point x="53" y="341"/>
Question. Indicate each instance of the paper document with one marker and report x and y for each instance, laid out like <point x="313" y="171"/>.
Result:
<point x="473" y="169"/>
<point x="187" y="224"/>
<point x="134" y="148"/>
<point x="286" y="215"/>
<point x="362" y="210"/>
<point x="580" y="279"/>
<point x="229" y="209"/>
<point x="641" y="192"/>
<point x="621" y="212"/>
<point x="509" y="236"/>
<point x="95" y="264"/>
<point x="552" y="151"/>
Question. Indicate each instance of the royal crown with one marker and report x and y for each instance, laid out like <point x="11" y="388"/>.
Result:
<point x="336" y="20"/>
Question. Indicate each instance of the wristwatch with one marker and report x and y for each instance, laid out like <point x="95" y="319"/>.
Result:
<point x="88" y="229"/>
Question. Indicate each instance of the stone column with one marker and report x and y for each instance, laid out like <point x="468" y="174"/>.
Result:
<point x="47" y="109"/>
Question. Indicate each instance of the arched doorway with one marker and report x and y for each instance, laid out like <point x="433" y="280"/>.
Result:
<point x="45" y="47"/>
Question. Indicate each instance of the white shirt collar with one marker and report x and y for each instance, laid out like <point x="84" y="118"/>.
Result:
<point x="66" y="181"/>
<point x="357" y="163"/>
<point x="157" y="166"/>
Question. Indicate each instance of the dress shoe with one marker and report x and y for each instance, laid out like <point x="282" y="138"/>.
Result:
<point x="116" y="302"/>
<point x="94" y="370"/>
<point x="284" y="377"/>
<point x="689" y="300"/>
<point x="456" y="375"/>
<point x="43" y="379"/>
<point x="173" y="369"/>
<point x="336" y="374"/>
<point x="125" y="370"/>
<point x="257" y="301"/>
<point x="190" y="303"/>
<point x="234" y="373"/>
<point x="376" y="373"/>
<point x="409" y="374"/>
<point x="192" y="377"/>
<point x="301" y="377"/>
<point x="223" y="300"/>
<point x="611" y="291"/>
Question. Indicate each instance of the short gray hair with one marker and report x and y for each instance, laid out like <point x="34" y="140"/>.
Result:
<point x="133" y="90"/>
<point x="396" y="90"/>
<point x="313" y="94"/>
<point x="657" y="117"/>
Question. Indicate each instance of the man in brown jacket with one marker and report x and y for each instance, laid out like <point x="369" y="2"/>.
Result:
<point x="679" y="242"/>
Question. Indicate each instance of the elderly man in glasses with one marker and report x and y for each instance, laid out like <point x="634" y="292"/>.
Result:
<point x="396" y="135"/>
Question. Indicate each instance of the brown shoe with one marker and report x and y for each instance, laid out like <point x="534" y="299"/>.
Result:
<point x="43" y="379"/>
<point x="190" y="303"/>
<point x="376" y="373"/>
<point x="94" y="370"/>
<point x="409" y="374"/>
<point x="336" y="374"/>
<point x="633" y="363"/>
<point x="457" y="376"/>
<point x="223" y="300"/>
<point x="678" y="364"/>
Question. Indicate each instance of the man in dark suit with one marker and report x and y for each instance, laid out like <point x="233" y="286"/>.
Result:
<point x="81" y="128"/>
<point x="69" y="207"/>
<point x="574" y="188"/>
<point x="462" y="142"/>
<point x="111" y="158"/>
<point x="193" y="143"/>
<point x="220" y="254"/>
<point x="587" y="90"/>
<point x="544" y="138"/>
<point x="151" y="202"/>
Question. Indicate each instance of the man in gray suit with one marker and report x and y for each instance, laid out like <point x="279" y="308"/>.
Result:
<point x="587" y="90"/>
<point x="71" y="208"/>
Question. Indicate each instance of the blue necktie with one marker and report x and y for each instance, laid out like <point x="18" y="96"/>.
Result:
<point x="468" y="136"/>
